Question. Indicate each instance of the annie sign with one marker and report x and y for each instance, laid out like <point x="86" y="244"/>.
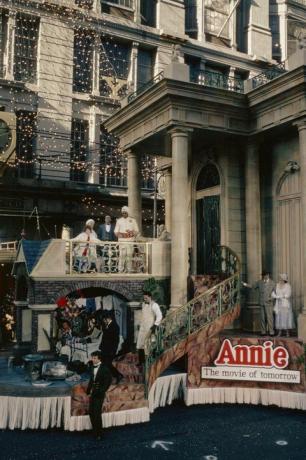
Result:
<point x="261" y="363"/>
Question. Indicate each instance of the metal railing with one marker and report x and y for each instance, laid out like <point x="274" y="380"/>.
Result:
<point x="268" y="75"/>
<point x="8" y="251"/>
<point x="107" y="257"/>
<point x="146" y="86"/>
<point x="196" y="314"/>
<point x="217" y="80"/>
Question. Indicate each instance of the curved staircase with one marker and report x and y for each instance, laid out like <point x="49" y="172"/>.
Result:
<point x="211" y="310"/>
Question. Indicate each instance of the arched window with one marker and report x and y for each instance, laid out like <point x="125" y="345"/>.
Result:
<point x="208" y="177"/>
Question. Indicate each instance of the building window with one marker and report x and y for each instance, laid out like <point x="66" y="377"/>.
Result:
<point x="274" y="26"/>
<point x="26" y="132"/>
<point x="125" y="3"/>
<point x="215" y="15"/>
<point x="83" y="61"/>
<point x="191" y="23"/>
<point x="113" y="163"/>
<point x="114" y="59"/>
<point x="148" y="12"/>
<point x="145" y="67"/>
<point x="79" y="150"/>
<point x="194" y="64"/>
<point x="26" y="42"/>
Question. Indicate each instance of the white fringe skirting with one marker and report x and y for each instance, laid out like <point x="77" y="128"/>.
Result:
<point x="285" y="399"/>
<point x="166" y="389"/>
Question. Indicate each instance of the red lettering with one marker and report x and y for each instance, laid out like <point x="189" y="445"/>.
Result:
<point x="281" y="357"/>
<point x="225" y="355"/>
<point x="241" y="354"/>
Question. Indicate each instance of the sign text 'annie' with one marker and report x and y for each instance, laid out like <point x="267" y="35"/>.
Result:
<point x="263" y="363"/>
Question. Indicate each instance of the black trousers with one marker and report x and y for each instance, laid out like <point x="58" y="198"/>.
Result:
<point x="108" y="361"/>
<point x="95" y="414"/>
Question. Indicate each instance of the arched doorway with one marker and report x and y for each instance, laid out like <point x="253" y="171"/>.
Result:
<point x="208" y="219"/>
<point x="289" y="234"/>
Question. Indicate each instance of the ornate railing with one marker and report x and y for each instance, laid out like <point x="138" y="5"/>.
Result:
<point x="217" y="80"/>
<point x="146" y="86"/>
<point x="107" y="257"/>
<point x="268" y="75"/>
<point x="196" y="314"/>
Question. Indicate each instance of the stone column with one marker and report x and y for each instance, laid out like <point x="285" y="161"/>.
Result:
<point x="302" y="143"/>
<point x="137" y="14"/>
<point x="134" y="190"/>
<point x="168" y="199"/>
<point x="179" y="225"/>
<point x="9" y="54"/>
<point x="93" y="176"/>
<point x="132" y="77"/>
<point x="253" y="233"/>
<point x="96" y="66"/>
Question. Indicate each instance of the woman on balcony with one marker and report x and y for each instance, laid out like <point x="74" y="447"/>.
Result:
<point x="85" y="254"/>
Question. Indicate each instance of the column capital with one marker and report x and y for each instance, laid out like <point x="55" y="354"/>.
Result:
<point x="130" y="153"/>
<point x="178" y="130"/>
<point x="300" y="124"/>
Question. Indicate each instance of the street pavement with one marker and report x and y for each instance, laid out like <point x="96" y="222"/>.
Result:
<point x="212" y="432"/>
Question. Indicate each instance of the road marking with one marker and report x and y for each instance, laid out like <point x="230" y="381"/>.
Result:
<point x="162" y="444"/>
<point x="210" y="457"/>
<point x="281" y="443"/>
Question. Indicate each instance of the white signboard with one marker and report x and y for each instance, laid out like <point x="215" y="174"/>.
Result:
<point x="253" y="374"/>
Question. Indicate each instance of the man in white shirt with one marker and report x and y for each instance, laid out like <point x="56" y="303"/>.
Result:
<point x="126" y="230"/>
<point x="151" y="318"/>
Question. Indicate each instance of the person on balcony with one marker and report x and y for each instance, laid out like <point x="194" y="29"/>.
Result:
<point x="265" y="286"/>
<point x="283" y="308"/>
<point x="126" y="230"/>
<point x="85" y="251"/>
<point x="106" y="233"/>
<point x="150" y="320"/>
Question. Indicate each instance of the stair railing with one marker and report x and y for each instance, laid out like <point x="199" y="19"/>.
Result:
<point x="198" y="312"/>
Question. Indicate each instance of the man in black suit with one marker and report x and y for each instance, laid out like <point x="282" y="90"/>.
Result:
<point x="109" y="343"/>
<point x="100" y="380"/>
<point x="106" y="230"/>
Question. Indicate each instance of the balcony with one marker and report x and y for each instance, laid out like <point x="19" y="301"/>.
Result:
<point x="66" y="259"/>
<point x="8" y="252"/>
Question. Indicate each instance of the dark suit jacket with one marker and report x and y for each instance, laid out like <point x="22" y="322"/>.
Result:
<point x="110" y="339"/>
<point x="106" y="236"/>
<point x="98" y="387"/>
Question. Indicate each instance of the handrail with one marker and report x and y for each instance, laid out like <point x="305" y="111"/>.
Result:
<point x="198" y="312"/>
<point x="146" y="86"/>
<point x="217" y="80"/>
<point x="267" y="75"/>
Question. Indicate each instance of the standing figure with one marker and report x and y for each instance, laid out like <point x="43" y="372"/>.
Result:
<point x="109" y="343"/>
<point x="150" y="319"/>
<point x="265" y="287"/>
<point x="106" y="230"/>
<point x="100" y="381"/>
<point x="283" y="309"/>
<point x="126" y="230"/>
<point x="85" y="251"/>
<point x="106" y="233"/>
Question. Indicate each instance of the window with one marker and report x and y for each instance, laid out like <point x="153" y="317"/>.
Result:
<point x="274" y="26"/>
<point x="82" y="61"/>
<point x="191" y="24"/>
<point x="114" y="60"/>
<point x="145" y="67"/>
<point x="26" y="42"/>
<point x="148" y="12"/>
<point x="26" y="143"/>
<point x="125" y="3"/>
<point x="113" y="163"/>
<point x="79" y="150"/>
<point x="215" y="15"/>
<point x="194" y="67"/>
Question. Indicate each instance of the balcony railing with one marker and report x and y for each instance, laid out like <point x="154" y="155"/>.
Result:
<point x="8" y="251"/>
<point x="268" y="75"/>
<point x="217" y="80"/>
<point x="146" y="86"/>
<point x="107" y="257"/>
<point x="125" y="3"/>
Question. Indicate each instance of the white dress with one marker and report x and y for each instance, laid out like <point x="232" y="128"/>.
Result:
<point x="151" y="315"/>
<point x="282" y="308"/>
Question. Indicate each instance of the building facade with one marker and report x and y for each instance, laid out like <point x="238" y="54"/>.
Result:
<point x="67" y="68"/>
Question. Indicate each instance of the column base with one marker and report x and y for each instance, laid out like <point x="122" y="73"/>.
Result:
<point x="251" y="318"/>
<point x="302" y="326"/>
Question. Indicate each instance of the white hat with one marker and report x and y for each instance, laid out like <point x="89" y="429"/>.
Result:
<point x="125" y="209"/>
<point x="283" y="276"/>
<point x="90" y="223"/>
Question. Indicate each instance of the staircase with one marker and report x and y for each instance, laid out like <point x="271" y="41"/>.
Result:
<point x="180" y="325"/>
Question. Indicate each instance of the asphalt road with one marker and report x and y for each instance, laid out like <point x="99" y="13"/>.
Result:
<point x="222" y="432"/>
